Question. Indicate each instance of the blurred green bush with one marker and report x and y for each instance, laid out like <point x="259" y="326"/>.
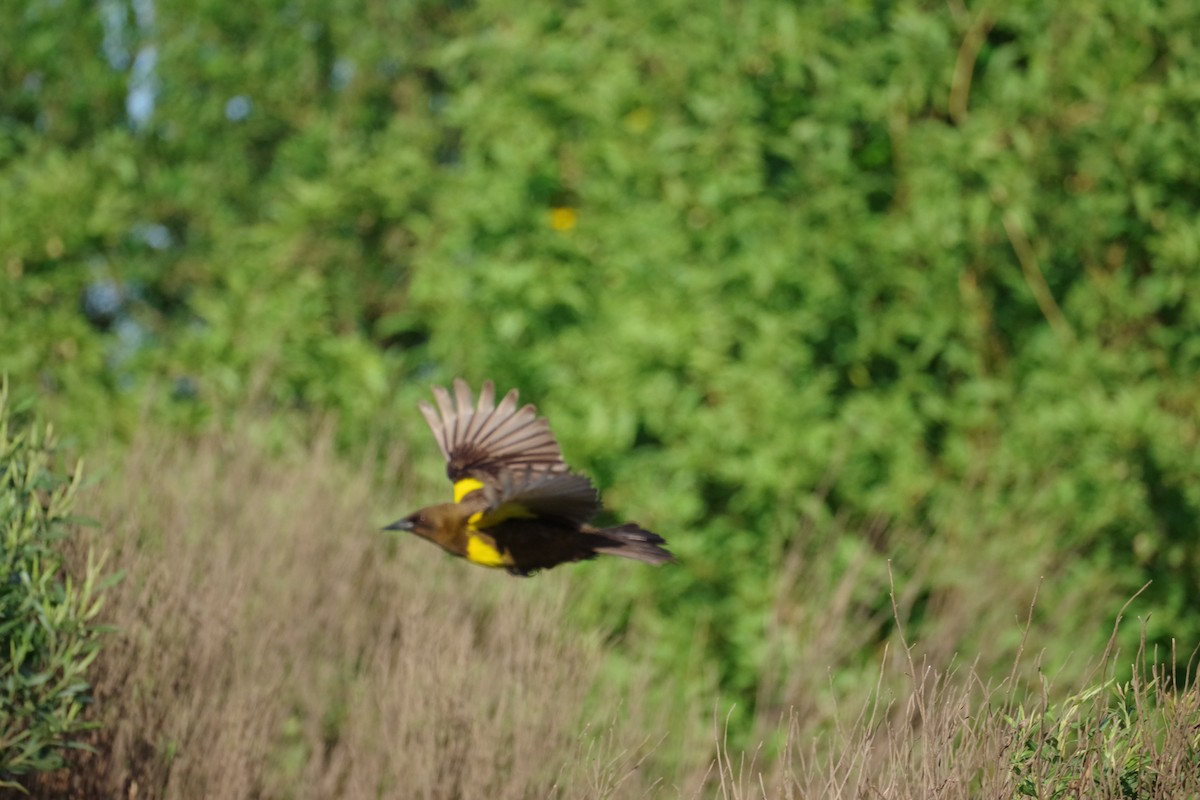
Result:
<point x="928" y="271"/>
<point x="48" y="633"/>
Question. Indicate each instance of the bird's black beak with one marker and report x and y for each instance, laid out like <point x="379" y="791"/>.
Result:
<point x="400" y="525"/>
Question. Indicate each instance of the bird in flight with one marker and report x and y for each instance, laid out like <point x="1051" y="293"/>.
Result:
<point x="516" y="503"/>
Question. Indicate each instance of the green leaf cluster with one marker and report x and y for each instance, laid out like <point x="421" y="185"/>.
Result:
<point x="48" y="631"/>
<point x="1094" y="742"/>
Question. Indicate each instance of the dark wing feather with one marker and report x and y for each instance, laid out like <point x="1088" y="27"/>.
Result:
<point x="485" y="441"/>
<point x="564" y="496"/>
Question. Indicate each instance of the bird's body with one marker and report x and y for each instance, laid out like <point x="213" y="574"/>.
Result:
<point x="516" y="504"/>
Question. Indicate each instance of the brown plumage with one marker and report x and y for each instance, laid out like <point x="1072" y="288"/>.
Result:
<point x="516" y="503"/>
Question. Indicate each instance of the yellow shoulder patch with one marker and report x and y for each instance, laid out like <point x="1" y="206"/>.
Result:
<point x="464" y="487"/>
<point x="482" y="552"/>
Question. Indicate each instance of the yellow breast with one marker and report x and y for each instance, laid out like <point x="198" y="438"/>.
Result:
<point x="482" y="552"/>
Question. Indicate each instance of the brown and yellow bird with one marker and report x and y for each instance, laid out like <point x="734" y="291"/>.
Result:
<point x="516" y="503"/>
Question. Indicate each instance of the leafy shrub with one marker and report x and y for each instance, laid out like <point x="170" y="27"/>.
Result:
<point x="48" y="634"/>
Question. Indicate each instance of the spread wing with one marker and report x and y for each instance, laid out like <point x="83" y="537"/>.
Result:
<point x="565" y="496"/>
<point x="484" y="442"/>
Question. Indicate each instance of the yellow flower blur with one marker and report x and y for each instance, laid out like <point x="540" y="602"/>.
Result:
<point x="563" y="218"/>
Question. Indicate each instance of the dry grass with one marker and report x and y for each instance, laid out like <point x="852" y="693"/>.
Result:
<point x="928" y="732"/>
<point x="943" y="737"/>
<point x="271" y="643"/>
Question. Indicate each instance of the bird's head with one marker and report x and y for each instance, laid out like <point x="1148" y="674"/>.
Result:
<point x="436" y="523"/>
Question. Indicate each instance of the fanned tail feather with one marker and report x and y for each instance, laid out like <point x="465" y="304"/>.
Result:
<point x="633" y="541"/>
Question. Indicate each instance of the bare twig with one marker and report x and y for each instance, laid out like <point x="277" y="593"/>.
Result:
<point x="1034" y="277"/>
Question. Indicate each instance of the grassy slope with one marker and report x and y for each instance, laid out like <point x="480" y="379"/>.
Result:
<point x="271" y="644"/>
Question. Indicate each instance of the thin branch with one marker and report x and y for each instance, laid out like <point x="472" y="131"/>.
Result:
<point x="964" y="63"/>
<point x="1034" y="278"/>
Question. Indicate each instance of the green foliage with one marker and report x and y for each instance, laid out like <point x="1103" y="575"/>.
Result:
<point x="1093" y="740"/>
<point x="925" y="270"/>
<point x="48" y="633"/>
